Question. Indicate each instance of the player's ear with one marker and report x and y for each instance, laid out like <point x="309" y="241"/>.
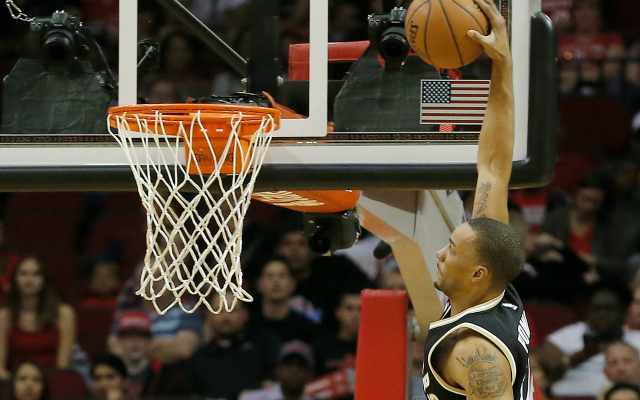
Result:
<point x="480" y="273"/>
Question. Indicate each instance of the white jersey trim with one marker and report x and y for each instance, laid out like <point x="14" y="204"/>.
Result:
<point x="480" y="307"/>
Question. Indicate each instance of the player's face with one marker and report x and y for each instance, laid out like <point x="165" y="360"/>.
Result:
<point x="276" y="282"/>
<point x="456" y="261"/>
<point x="28" y="382"/>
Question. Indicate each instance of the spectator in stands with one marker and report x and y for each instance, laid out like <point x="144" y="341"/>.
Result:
<point x="417" y="359"/>
<point x="34" y="323"/>
<point x="8" y="263"/>
<point x="235" y="359"/>
<point x="321" y="280"/>
<point x="535" y="204"/>
<point x="587" y="54"/>
<point x="29" y="382"/>
<point x="337" y="350"/>
<point x="163" y="91"/>
<point x="363" y="254"/>
<point x="104" y="284"/>
<point x="622" y="365"/>
<point x="539" y="375"/>
<point x="146" y="375"/>
<point x="582" y="227"/>
<point x="276" y="286"/>
<point x="393" y="280"/>
<point x="177" y="61"/>
<point x="623" y="391"/>
<point x="633" y="315"/>
<point x="560" y="13"/>
<point x="574" y="355"/>
<point x="109" y="378"/>
<point x="176" y="334"/>
<point x="134" y="335"/>
<point x="293" y="371"/>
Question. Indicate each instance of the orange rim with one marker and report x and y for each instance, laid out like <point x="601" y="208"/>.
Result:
<point x="174" y="114"/>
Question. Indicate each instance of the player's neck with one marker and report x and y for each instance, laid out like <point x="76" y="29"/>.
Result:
<point x="459" y="305"/>
<point x="276" y="309"/>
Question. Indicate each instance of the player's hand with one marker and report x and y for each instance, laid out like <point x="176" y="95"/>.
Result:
<point x="496" y="44"/>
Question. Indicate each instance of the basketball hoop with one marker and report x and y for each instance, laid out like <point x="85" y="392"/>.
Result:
<point x="179" y="155"/>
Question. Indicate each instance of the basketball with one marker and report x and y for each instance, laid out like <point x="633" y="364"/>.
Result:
<point x="437" y="31"/>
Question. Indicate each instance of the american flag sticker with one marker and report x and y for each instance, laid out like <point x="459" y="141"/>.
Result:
<point x="459" y="102"/>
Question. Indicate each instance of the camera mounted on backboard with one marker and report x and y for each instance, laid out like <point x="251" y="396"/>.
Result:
<point x="328" y="232"/>
<point x="62" y="40"/>
<point x="388" y="36"/>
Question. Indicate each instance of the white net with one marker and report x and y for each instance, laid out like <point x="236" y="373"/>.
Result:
<point x="194" y="218"/>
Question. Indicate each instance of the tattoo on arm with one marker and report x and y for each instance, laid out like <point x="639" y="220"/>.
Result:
<point x="481" y="199"/>
<point x="486" y="378"/>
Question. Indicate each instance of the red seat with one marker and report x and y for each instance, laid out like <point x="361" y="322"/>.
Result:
<point x="548" y="317"/>
<point x="60" y="261"/>
<point x="94" y="325"/>
<point x="24" y="229"/>
<point x="67" y="384"/>
<point x="598" y="123"/>
<point x="122" y="202"/>
<point x="626" y="16"/>
<point x="127" y="232"/>
<point x="571" y="166"/>
<point x="50" y="203"/>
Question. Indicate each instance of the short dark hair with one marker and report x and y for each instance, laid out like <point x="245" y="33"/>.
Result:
<point x="275" y="258"/>
<point x="613" y="286"/>
<point x="112" y="361"/>
<point x="621" y="386"/>
<point x="499" y="248"/>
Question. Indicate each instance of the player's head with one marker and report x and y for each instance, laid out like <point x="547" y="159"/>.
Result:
<point x="482" y="254"/>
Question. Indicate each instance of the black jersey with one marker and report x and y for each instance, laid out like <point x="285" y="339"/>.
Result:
<point x="502" y="321"/>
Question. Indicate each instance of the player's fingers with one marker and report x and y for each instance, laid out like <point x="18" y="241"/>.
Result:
<point x="490" y="10"/>
<point x="477" y="36"/>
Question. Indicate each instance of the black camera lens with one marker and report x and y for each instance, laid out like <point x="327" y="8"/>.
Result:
<point x="394" y="45"/>
<point x="320" y="241"/>
<point x="58" y="46"/>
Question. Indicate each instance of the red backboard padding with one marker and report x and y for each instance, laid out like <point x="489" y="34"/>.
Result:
<point x="381" y="361"/>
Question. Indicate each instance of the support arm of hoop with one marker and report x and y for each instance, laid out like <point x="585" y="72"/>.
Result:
<point x="313" y="201"/>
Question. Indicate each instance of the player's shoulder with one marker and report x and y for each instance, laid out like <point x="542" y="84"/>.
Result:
<point x="469" y="342"/>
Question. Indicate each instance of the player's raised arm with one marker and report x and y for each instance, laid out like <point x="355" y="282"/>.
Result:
<point x="495" y="147"/>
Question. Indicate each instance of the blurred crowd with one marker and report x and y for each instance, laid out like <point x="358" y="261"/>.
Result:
<point x="72" y="326"/>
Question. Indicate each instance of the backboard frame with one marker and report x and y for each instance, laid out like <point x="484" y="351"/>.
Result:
<point x="298" y="166"/>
